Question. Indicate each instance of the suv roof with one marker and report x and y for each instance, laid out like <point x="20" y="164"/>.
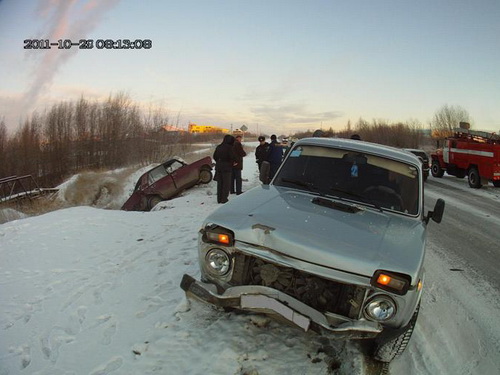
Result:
<point x="355" y="145"/>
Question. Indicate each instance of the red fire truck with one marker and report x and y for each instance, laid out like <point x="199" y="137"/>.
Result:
<point x="471" y="153"/>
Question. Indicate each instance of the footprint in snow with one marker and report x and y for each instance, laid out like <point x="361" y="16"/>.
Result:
<point x="25" y="357"/>
<point x="112" y="365"/>
<point x="108" y="333"/>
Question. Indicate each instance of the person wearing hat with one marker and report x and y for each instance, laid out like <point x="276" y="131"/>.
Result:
<point x="261" y="151"/>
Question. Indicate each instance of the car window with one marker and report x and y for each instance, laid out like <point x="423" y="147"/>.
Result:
<point x="156" y="174"/>
<point x="174" y="166"/>
<point x="363" y="178"/>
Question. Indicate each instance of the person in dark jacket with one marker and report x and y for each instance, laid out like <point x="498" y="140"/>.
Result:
<point x="274" y="156"/>
<point x="224" y="160"/>
<point x="261" y="151"/>
<point x="239" y="153"/>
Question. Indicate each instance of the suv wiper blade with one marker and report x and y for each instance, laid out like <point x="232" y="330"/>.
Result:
<point x="308" y="185"/>
<point x="360" y="197"/>
<point x="335" y="204"/>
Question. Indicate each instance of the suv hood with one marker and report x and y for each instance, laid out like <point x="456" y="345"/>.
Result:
<point x="286" y="221"/>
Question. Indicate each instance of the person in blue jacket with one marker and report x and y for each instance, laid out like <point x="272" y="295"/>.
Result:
<point x="274" y="155"/>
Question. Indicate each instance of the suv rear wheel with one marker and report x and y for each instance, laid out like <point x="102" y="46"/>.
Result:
<point x="390" y="344"/>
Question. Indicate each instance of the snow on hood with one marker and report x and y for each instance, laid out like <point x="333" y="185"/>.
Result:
<point x="358" y="243"/>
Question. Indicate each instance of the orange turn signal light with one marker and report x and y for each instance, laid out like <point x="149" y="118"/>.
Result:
<point x="391" y="281"/>
<point x="383" y="279"/>
<point x="223" y="238"/>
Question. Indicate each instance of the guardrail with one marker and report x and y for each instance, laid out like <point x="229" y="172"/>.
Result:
<point x="14" y="188"/>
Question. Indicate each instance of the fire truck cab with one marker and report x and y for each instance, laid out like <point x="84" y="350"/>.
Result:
<point x="471" y="153"/>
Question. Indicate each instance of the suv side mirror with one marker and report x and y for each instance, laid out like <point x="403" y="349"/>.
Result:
<point x="437" y="214"/>
<point x="265" y="168"/>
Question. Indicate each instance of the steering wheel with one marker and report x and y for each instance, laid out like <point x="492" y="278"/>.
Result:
<point x="385" y="196"/>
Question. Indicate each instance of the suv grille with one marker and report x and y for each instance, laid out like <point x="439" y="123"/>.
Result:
<point x="319" y="293"/>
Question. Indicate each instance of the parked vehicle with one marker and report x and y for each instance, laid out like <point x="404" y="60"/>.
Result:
<point x="470" y="153"/>
<point x="424" y="158"/>
<point x="334" y="244"/>
<point x="167" y="181"/>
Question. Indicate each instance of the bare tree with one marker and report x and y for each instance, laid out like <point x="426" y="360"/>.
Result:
<point x="3" y="148"/>
<point x="447" y="118"/>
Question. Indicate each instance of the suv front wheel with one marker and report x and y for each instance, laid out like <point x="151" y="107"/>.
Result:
<point x="391" y="344"/>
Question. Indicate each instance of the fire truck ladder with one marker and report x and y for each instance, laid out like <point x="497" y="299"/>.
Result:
<point x="478" y="135"/>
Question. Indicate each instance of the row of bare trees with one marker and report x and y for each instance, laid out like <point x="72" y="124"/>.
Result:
<point x="409" y="134"/>
<point x="73" y="136"/>
<point x="404" y="135"/>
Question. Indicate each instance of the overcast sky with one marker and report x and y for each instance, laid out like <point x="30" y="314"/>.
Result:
<point x="274" y="65"/>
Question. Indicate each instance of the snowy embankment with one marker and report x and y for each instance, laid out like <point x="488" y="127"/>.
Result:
<point x="95" y="291"/>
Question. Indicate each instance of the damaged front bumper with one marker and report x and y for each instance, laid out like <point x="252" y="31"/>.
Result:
<point x="262" y="299"/>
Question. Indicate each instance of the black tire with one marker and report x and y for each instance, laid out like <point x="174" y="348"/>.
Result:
<point x="205" y="176"/>
<point x="474" y="178"/>
<point x="496" y="183"/>
<point x="153" y="201"/>
<point x="436" y="169"/>
<point x="389" y="345"/>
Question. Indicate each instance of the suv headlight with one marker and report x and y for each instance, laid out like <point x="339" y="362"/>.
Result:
<point x="218" y="262"/>
<point x="380" y="308"/>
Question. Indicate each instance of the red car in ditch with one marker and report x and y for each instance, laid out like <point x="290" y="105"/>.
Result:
<point x="166" y="181"/>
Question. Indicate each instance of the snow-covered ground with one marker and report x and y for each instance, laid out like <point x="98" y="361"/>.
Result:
<point x="87" y="290"/>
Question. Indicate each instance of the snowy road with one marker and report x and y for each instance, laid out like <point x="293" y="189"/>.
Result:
<point x="458" y="331"/>
<point x="93" y="291"/>
<point x="470" y="228"/>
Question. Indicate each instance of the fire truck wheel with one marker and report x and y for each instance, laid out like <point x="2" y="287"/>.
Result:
<point x="436" y="169"/>
<point x="474" y="178"/>
<point x="496" y="183"/>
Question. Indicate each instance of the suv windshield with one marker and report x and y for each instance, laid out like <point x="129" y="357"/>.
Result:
<point x="362" y="178"/>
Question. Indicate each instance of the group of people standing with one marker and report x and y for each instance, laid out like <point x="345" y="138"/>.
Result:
<point x="228" y="158"/>
<point x="270" y="152"/>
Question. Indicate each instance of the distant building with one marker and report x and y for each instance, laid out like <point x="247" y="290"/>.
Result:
<point x="171" y="128"/>
<point x="206" y="129"/>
